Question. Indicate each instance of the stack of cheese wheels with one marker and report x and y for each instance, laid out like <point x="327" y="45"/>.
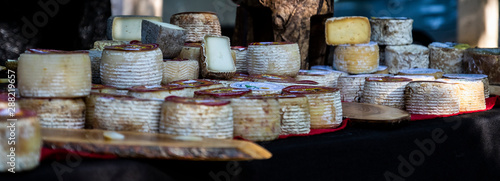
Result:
<point x="157" y="92"/>
<point x="482" y="77"/>
<point x="417" y="77"/>
<point x="204" y="117"/>
<point x="392" y="30"/>
<point x="382" y="69"/>
<point x="20" y="131"/>
<point x="432" y="98"/>
<point x="256" y="118"/>
<point x="57" y="112"/>
<point x="323" y="77"/>
<point x="470" y="92"/>
<point x="90" y="102"/>
<point x="295" y="113"/>
<point x="240" y="58"/>
<point x="324" y="104"/>
<point x="447" y="57"/>
<point x="124" y="113"/>
<point x="347" y="30"/>
<point x="53" y="73"/>
<point x="217" y="60"/>
<point x="223" y="93"/>
<point x="357" y="59"/>
<point x="197" y="24"/>
<point x="387" y="91"/>
<point x="406" y="57"/>
<point x="277" y="58"/>
<point x="191" y="51"/>
<point x="422" y="71"/>
<point x="95" y="55"/>
<point x="281" y="80"/>
<point x="259" y="88"/>
<point x="125" y="66"/>
<point x="483" y="61"/>
<point x="352" y="86"/>
<point x="180" y="69"/>
<point x="170" y="38"/>
<point x="194" y="85"/>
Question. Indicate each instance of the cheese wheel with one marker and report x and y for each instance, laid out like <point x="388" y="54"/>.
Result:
<point x="324" y="104"/>
<point x="470" y="92"/>
<point x="295" y="113"/>
<point x="382" y="69"/>
<point x="170" y="38"/>
<point x="277" y="58"/>
<point x="217" y="61"/>
<point x="100" y="44"/>
<point x="223" y="92"/>
<point x="392" y="30"/>
<point x="202" y="117"/>
<point x="240" y="58"/>
<point x="124" y="113"/>
<point x="416" y="77"/>
<point x="483" y="61"/>
<point x="482" y="77"/>
<point x="52" y="73"/>
<point x="197" y="24"/>
<point x="432" y="98"/>
<point x="90" y="102"/>
<point x="347" y="30"/>
<point x="21" y="140"/>
<point x="447" y="57"/>
<point x="57" y="112"/>
<point x="191" y="86"/>
<point x="157" y="92"/>
<point x="179" y="69"/>
<point x="256" y="118"/>
<point x="422" y="71"/>
<point x="357" y="59"/>
<point x="191" y="51"/>
<point x="352" y="86"/>
<point x="406" y="57"/>
<point x="259" y="88"/>
<point x="125" y="66"/>
<point x="387" y="91"/>
<point x="324" y="78"/>
<point x="127" y="27"/>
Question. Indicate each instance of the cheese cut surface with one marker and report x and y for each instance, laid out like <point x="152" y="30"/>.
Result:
<point x="385" y="91"/>
<point x="482" y="77"/>
<point x="422" y="71"/>
<point x="179" y="70"/>
<point x="447" y="57"/>
<point x="483" y="61"/>
<point x="277" y="58"/>
<point x="197" y="24"/>
<point x="406" y="57"/>
<point x="256" y="119"/>
<point x="392" y="30"/>
<point x="191" y="51"/>
<point x="357" y="59"/>
<point x="127" y="27"/>
<point x="470" y="92"/>
<point x="432" y="98"/>
<point x="217" y="59"/>
<point x="347" y="30"/>
<point x="170" y="38"/>
<point x="57" y="112"/>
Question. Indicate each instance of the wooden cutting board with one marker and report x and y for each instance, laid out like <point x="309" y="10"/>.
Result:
<point x="373" y="113"/>
<point x="157" y="146"/>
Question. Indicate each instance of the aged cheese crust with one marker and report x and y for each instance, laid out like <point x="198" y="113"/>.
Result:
<point x="357" y="59"/>
<point x="347" y="30"/>
<point x="432" y="98"/>
<point x="482" y="77"/>
<point x="170" y="38"/>
<point x="180" y="70"/>
<point x="406" y="57"/>
<point x="197" y="24"/>
<point x="483" y="61"/>
<point x="256" y="119"/>
<point x="385" y="91"/>
<point x="392" y="30"/>
<point x="295" y="114"/>
<point x="191" y="51"/>
<point x="422" y="71"/>
<point x="57" y="112"/>
<point x="352" y="86"/>
<point x="470" y="92"/>
<point x="277" y="58"/>
<point x="446" y="57"/>
<point x="322" y="77"/>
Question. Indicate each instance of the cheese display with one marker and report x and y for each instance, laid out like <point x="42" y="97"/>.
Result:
<point x="347" y="30"/>
<point x="447" y="57"/>
<point x="352" y="86"/>
<point x="357" y="59"/>
<point x="470" y="93"/>
<point x="422" y="71"/>
<point x="125" y="66"/>
<point x="295" y="113"/>
<point x="277" y="58"/>
<point x="204" y="117"/>
<point x="194" y="85"/>
<point x="406" y="57"/>
<point x="179" y="69"/>
<point x="240" y="58"/>
<point x="416" y="77"/>
<point x="197" y="24"/>
<point x="321" y="67"/>
<point x="191" y="51"/>
<point x="170" y="38"/>
<point x="483" y="61"/>
<point x="54" y="73"/>
<point x="324" y="78"/>
<point x="324" y="104"/>
<point x="216" y="58"/>
<point x="20" y="132"/>
<point x="482" y="77"/>
<point x="256" y="118"/>
<point x="382" y="70"/>
<point x="157" y="91"/>
<point x="57" y="112"/>
<point x="127" y="27"/>
<point x="259" y="88"/>
<point x="387" y="91"/>
<point x="124" y="113"/>
<point x="392" y="30"/>
<point x="223" y="92"/>
<point x="95" y="65"/>
<point x="432" y="98"/>
<point x="90" y="102"/>
<point x="99" y="45"/>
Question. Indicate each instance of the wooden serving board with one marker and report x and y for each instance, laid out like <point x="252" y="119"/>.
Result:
<point x="150" y="145"/>
<point x="373" y="113"/>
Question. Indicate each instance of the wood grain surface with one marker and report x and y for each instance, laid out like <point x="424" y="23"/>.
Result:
<point x="373" y="113"/>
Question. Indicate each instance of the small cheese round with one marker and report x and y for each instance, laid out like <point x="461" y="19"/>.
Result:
<point x="194" y="85"/>
<point x="482" y="77"/>
<point x="157" y="92"/>
<point x="197" y="24"/>
<point x="240" y="58"/>
<point x="256" y="118"/>
<point x="387" y="91"/>
<point x="180" y="69"/>
<point x="259" y="88"/>
<point x="277" y="58"/>
<point x="191" y="51"/>
<point x="447" y="57"/>
<point x="392" y="30"/>
<point x="323" y="77"/>
<point x="432" y="98"/>
<point x="422" y="71"/>
<point x="357" y="59"/>
<point x="483" y="61"/>
<point x="66" y="113"/>
<point x="470" y="92"/>
<point x="352" y="86"/>
<point x="406" y="57"/>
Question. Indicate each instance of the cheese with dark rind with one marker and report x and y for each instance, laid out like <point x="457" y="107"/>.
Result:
<point x="256" y="119"/>
<point x="357" y="59"/>
<point x="406" y="57"/>
<point x="446" y="57"/>
<point x="170" y="38"/>
<point x="217" y="60"/>
<point x="483" y="61"/>
<point x="180" y="69"/>
<point x="432" y="98"/>
<point x="197" y="24"/>
<point x="127" y="27"/>
<point x="66" y="113"/>
<point x="387" y="91"/>
<point x="347" y="30"/>
<point x="277" y="58"/>
<point x="391" y="30"/>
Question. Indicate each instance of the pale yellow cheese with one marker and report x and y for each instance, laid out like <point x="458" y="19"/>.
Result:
<point x="347" y="30"/>
<point x="432" y="98"/>
<point x="127" y="27"/>
<point x="357" y="59"/>
<point x="56" y="112"/>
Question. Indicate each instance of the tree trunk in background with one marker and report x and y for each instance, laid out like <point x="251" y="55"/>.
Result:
<point x="137" y="7"/>
<point x="478" y="22"/>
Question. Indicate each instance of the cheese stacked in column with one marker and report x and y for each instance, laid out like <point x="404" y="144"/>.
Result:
<point x="422" y="71"/>
<point x="191" y="86"/>
<point x="357" y="59"/>
<point x="217" y="61"/>
<point x="158" y="92"/>
<point x="95" y="55"/>
<point x="197" y="24"/>
<point x="352" y="86"/>
<point x="295" y="114"/>
<point x="256" y="118"/>
<point x="471" y="94"/>
<point x="240" y="58"/>
<point x="259" y="88"/>
<point x="57" y="112"/>
<point x="385" y="91"/>
<point x="127" y="27"/>
<point x="191" y="51"/>
<point x="392" y="30"/>
<point x="202" y="117"/>
<point x="398" y="58"/>
<point x="347" y="30"/>
<point x="447" y="56"/>
<point x="52" y="73"/>
<point x="277" y="58"/>
<point x="170" y="38"/>
<point x="28" y="140"/>
<point x="90" y="102"/>
<point x="180" y="69"/>
<point x="482" y="77"/>
<point x="125" y="66"/>
<point x="483" y="61"/>
<point x="324" y="78"/>
<point x="324" y="105"/>
<point x="432" y="98"/>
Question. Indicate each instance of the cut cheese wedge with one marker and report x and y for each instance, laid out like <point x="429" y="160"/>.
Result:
<point x="256" y="118"/>
<point x="482" y="77"/>
<point x="447" y="57"/>
<point x="398" y="58"/>
<point x="422" y="71"/>
<point x="57" y="112"/>
<point x="357" y="59"/>
<point x="277" y="58"/>
<point x="470" y="93"/>
<point x="392" y="30"/>
<point x="127" y="27"/>
<point x="179" y="69"/>
<point x="387" y="91"/>
<point x="432" y="98"/>
<point x="216" y="60"/>
<point x="197" y="24"/>
<point x="347" y="30"/>
<point x="170" y="38"/>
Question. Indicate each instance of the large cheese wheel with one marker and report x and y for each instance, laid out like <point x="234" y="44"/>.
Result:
<point x="127" y="27"/>
<point x="406" y="57"/>
<point x="470" y="92"/>
<point x="125" y="66"/>
<point x="323" y="77"/>
<point x="482" y="77"/>
<point x="240" y="58"/>
<point x="193" y="85"/>
<point x="170" y="38"/>
<point x="90" y="102"/>
<point x="202" y="117"/>
<point x="347" y="30"/>
<point x="432" y="98"/>
<point x="197" y="24"/>
<point x="352" y="86"/>
<point x="392" y="30"/>
<point x="158" y="92"/>
<point x="277" y="58"/>
<point x="51" y="73"/>
<point x="259" y="88"/>
<point x="483" y="61"/>
<point x="324" y="104"/>
<point x="256" y="118"/>
<point x="217" y="61"/>
<point x="100" y="44"/>
<point x="179" y="69"/>
<point x="191" y="51"/>
<point x="57" y="112"/>
<point x="295" y="113"/>
<point x="436" y="73"/>
<point x="223" y="92"/>
<point x="447" y="57"/>
<point x="21" y="140"/>
<point x="387" y="91"/>
<point x="357" y="59"/>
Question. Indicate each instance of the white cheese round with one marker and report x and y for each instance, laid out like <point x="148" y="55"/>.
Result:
<point x="432" y="98"/>
<point x="277" y="58"/>
<point x="57" y="112"/>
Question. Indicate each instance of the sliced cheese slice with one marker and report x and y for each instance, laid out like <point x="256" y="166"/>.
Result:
<point x="347" y="30"/>
<point x="170" y="38"/>
<point x="191" y="51"/>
